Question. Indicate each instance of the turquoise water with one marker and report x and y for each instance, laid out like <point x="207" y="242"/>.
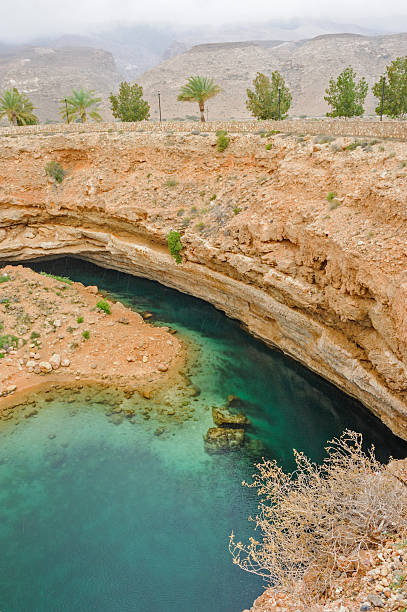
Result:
<point x="113" y="518"/>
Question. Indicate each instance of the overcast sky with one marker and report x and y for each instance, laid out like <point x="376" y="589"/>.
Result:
<point x="23" y="20"/>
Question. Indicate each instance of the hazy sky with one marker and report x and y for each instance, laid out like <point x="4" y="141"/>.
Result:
<point x="26" y="19"/>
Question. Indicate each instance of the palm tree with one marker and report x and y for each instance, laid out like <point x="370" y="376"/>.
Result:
<point x="199" y="89"/>
<point x="79" y="106"/>
<point x="17" y="108"/>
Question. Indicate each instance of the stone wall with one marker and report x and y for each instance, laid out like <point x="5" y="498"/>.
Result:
<point x="362" y="128"/>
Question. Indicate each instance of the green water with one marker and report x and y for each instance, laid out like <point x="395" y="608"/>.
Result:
<point x="106" y="518"/>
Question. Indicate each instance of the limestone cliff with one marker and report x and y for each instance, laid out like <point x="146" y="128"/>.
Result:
<point x="322" y="279"/>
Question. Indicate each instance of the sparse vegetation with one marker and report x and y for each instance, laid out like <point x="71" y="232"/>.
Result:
<point x="4" y="278"/>
<point x="353" y="145"/>
<point x="79" y="320"/>
<point x="237" y="210"/>
<point x="86" y="334"/>
<point x="8" y="341"/>
<point x="323" y="139"/>
<point x="331" y="196"/>
<point x="268" y="146"/>
<point x="213" y="197"/>
<point x="61" y="279"/>
<point x="171" y="183"/>
<point x="55" y="171"/>
<point x="104" y="306"/>
<point x="223" y="140"/>
<point x="175" y="245"/>
<point x="321" y="517"/>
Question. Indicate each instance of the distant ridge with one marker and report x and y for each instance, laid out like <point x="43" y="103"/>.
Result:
<point x="307" y="65"/>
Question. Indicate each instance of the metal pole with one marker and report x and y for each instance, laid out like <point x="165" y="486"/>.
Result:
<point x="66" y="107"/>
<point x="159" y="104"/>
<point x="207" y="113"/>
<point x="381" y="107"/>
<point x="279" y="103"/>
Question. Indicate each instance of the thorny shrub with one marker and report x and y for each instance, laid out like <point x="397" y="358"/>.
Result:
<point x="316" y="520"/>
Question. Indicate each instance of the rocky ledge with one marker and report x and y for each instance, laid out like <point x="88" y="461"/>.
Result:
<point x="302" y="239"/>
<point x="53" y="331"/>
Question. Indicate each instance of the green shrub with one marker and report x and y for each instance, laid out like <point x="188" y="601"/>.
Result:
<point x="8" y="341"/>
<point x="171" y="183"/>
<point x="61" y="279"/>
<point x="4" y="279"/>
<point x="237" y="210"/>
<point x="86" y="334"/>
<point x="79" y="320"/>
<point x="103" y="305"/>
<point x="180" y="212"/>
<point x="213" y="197"/>
<point x="353" y="145"/>
<point x="202" y="194"/>
<point x="223" y="140"/>
<point x="331" y="196"/>
<point x="272" y="133"/>
<point x="268" y="146"/>
<point x="175" y="245"/>
<point x="34" y="335"/>
<point x="55" y="171"/>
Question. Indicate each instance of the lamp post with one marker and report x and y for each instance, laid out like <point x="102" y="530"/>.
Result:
<point x="382" y="103"/>
<point x="66" y="108"/>
<point x="159" y="104"/>
<point x="279" y="103"/>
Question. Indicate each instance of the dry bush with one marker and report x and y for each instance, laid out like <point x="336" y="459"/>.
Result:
<point x="316" y="521"/>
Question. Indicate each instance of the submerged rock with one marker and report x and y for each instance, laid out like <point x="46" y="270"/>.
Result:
<point x="222" y="417"/>
<point x="116" y="419"/>
<point x="219" y="439"/>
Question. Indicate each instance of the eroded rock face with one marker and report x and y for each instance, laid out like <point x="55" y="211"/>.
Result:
<point x="222" y="417"/>
<point x="325" y="281"/>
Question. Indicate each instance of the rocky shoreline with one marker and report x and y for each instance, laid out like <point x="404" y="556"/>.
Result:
<point x="55" y="332"/>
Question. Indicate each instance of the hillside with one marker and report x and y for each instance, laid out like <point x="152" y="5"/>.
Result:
<point x="306" y="65"/>
<point x="46" y="75"/>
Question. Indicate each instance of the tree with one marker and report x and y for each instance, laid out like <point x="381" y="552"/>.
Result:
<point x="129" y="105"/>
<point x="80" y="105"/>
<point x="17" y="108"/>
<point x="269" y="97"/>
<point x="395" y="89"/>
<point x="345" y="96"/>
<point x="199" y="89"/>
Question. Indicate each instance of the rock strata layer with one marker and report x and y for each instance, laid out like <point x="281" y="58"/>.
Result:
<point x="303" y="241"/>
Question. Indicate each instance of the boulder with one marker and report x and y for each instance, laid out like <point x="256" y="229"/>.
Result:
<point x="222" y="417"/>
<point x="218" y="439"/>
<point x="55" y="361"/>
<point x="45" y="367"/>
